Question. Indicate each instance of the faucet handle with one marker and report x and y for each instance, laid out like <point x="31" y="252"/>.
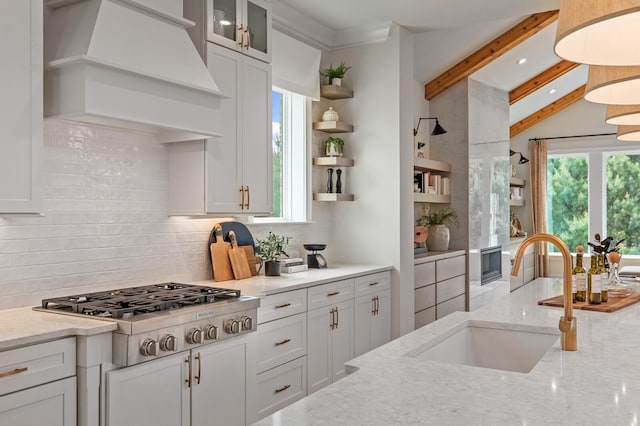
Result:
<point x="565" y="325"/>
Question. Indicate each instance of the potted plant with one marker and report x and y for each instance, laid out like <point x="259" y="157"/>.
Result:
<point x="436" y="221"/>
<point x="270" y="250"/>
<point x="334" y="147"/>
<point x="336" y="74"/>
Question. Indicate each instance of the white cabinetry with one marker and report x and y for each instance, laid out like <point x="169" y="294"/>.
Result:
<point x="200" y="387"/>
<point x="372" y="312"/>
<point x="230" y="174"/>
<point x="21" y="77"/>
<point x="526" y="273"/>
<point x="38" y="384"/>
<point x="440" y="288"/>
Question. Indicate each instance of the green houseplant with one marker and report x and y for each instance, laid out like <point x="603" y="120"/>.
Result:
<point x="436" y="220"/>
<point x="334" y="147"/>
<point x="270" y="249"/>
<point x="336" y="74"/>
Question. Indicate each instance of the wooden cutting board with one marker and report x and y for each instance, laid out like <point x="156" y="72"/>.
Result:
<point x="238" y="258"/>
<point x="253" y="260"/>
<point x="612" y="305"/>
<point x="220" y="257"/>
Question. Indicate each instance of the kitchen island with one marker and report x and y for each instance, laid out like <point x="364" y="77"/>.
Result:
<point x="598" y="384"/>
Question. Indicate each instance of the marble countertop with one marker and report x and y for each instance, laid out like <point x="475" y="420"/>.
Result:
<point x="24" y="326"/>
<point x="432" y="256"/>
<point x="264" y="286"/>
<point x="598" y="384"/>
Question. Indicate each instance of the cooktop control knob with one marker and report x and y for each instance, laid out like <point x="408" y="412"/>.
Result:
<point x="232" y="326"/>
<point x="194" y="335"/>
<point x="149" y="347"/>
<point x="247" y="323"/>
<point x="211" y="332"/>
<point x="169" y="343"/>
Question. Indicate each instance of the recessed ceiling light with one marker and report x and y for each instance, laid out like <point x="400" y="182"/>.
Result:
<point x="522" y="61"/>
<point x="552" y="91"/>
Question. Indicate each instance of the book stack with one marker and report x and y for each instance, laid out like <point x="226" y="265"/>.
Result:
<point x="292" y="265"/>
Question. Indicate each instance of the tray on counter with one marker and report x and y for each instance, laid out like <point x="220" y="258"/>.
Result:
<point x="613" y="304"/>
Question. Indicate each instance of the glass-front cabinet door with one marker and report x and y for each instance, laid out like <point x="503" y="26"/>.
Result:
<point x="258" y="27"/>
<point x="224" y="23"/>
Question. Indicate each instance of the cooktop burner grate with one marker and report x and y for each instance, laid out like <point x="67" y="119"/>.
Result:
<point x="127" y="302"/>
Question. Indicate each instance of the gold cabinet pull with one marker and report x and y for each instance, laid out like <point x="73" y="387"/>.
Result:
<point x="240" y="36"/>
<point x="248" y="197"/>
<point x="13" y="372"/>
<point x="188" y="379"/>
<point x="375" y="283"/>
<point x="282" y="389"/>
<point x="199" y="374"/>
<point x="332" y="325"/>
<point x="248" y="44"/>
<point x="337" y="318"/>
<point x="285" y="341"/>
<point x="284" y="305"/>
<point x="242" y="202"/>
<point x="373" y="305"/>
<point x="333" y="293"/>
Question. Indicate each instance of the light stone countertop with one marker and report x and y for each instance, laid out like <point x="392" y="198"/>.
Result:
<point x="24" y="326"/>
<point x="265" y="286"/>
<point x="597" y="385"/>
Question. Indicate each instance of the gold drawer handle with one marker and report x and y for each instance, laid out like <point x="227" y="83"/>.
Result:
<point x="334" y="293"/>
<point x="284" y="305"/>
<point x="13" y="372"/>
<point x="282" y="389"/>
<point x="285" y="341"/>
<point x="372" y="284"/>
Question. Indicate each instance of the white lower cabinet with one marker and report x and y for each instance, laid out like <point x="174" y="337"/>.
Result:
<point x="372" y="312"/>
<point x="204" y="386"/>
<point x="281" y="386"/>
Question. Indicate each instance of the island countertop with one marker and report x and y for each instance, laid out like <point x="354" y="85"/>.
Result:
<point x="598" y="384"/>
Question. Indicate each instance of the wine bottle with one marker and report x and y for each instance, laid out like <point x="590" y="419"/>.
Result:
<point x="580" y="277"/>
<point x="593" y="282"/>
<point x="604" y="279"/>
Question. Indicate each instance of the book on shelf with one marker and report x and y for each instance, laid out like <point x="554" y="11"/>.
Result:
<point x="293" y="269"/>
<point x="446" y="186"/>
<point x="292" y="261"/>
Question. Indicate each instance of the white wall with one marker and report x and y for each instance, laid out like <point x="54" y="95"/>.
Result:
<point x="105" y="221"/>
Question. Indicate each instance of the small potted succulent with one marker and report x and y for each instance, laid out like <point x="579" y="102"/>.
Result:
<point x="436" y="221"/>
<point x="334" y="147"/>
<point x="336" y="74"/>
<point x="270" y="249"/>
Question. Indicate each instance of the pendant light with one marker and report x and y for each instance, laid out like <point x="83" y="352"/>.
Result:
<point x="613" y="85"/>
<point x="623" y="114"/>
<point x="600" y="32"/>
<point x="629" y="133"/>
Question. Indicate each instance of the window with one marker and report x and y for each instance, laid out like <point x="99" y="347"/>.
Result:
<point x="289" y="142"/>
<point x="594" y="192"/>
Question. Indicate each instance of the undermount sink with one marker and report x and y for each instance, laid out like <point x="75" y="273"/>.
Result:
<point x="500" y="346"/>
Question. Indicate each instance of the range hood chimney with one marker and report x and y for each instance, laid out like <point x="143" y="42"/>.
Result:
<point x="128" y="64"/>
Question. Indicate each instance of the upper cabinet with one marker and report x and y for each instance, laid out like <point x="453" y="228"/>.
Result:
<point x="241" y="25"/>
<point x="21" y="77"/>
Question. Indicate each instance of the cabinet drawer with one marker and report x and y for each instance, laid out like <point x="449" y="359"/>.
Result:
<point x="450" y="306"/>
<point x="424" y="274"/>
<point x="449" y="268"/>
<point x="327" y="294"/>
<point x="371" y="283"/>
<point x="37" y="364"/>
<point x="281" y="386"/>
<point x="450" y="288"/>
<point x="424" y="297"/>
<point x="282" y="305"/>
<point x="425" y="317"/>
<point x="281" y="341"/>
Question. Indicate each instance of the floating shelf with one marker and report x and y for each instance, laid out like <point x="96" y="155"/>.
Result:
<point x="431" y="198"/>
<point x="516" y="203"/>
<point x="516" y="182"/>
<point x="427" y="165"/>
<point x="333" y="161"/>
<point x="323" y="196"/>
<point x="335" y="92"/>
<point x="333" y="127"/>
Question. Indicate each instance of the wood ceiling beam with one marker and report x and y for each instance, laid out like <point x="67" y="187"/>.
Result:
<point x="547" y="111"/>
<point x="489" y="52"/>
<point x="545" y="77"/>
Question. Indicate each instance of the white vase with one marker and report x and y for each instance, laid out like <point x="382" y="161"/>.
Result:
<point x="336" y="81"/>
<point x="332" y="151"/>
<point x="438" y="238"/>
<point x="330" y="115"/>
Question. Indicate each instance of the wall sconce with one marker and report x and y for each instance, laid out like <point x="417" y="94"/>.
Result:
<point x="437" y="129"/>
<point x="523" y="159"/>
<point x="599" y="32"/>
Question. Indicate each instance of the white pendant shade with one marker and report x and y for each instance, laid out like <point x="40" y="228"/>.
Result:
<point x="599" y="32"/>
<point x="629" y="133"/>
<point x="613" y="85"/>
<point x="623" y="115"/>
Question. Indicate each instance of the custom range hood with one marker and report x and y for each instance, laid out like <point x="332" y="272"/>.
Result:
<point x="128" y="64"/>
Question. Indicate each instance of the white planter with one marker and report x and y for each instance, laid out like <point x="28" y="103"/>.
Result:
<point x="332" y="151"/>
<point x="336" y="81"/>
<point x="438" y="238"/>
<point x="330" y="115"/>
